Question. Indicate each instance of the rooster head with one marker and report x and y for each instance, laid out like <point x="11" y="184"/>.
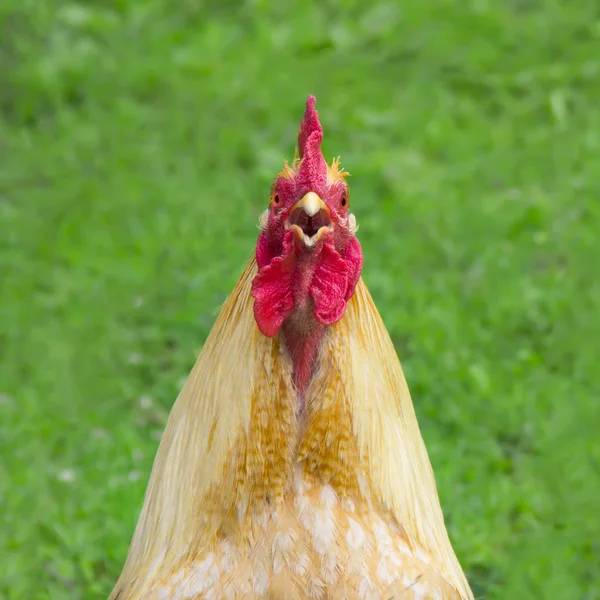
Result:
<point x="309" y="259"/>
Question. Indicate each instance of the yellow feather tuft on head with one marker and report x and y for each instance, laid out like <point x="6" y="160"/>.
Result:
<point x="335" y="173"/>
<point x="288" y="171"/>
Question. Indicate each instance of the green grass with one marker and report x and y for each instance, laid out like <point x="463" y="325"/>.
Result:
<point x="138" y="139"/>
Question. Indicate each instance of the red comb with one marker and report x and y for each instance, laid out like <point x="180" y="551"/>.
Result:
<point x="312" y="173"/>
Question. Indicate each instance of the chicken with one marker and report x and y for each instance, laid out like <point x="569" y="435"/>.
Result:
<point x="292" y="465"/>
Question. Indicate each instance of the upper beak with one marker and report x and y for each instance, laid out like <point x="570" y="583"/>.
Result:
<point x="311" y="204"/>
<point x="310" y="218"/>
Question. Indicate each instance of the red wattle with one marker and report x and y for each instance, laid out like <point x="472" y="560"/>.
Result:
<point x="329" y="285"/>
<point x="353" y="257"/>
<point x="334" y="281"/>
<point x="272" y="288"/>
<point x="279" y="280"/>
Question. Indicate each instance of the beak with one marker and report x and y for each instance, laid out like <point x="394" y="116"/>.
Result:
<point x="310" y="219"/>
<point x="311" y="204"/>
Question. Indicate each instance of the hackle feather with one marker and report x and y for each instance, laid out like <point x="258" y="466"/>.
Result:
<point x="235" y="473"/>
<point x="388" y="434"/>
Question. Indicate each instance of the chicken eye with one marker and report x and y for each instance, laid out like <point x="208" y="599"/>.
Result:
<point x="344" y="201"/>
<point x="276" y="198"/>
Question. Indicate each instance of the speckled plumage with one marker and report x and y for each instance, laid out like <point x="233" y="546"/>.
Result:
<point x="273" y="485"/>
<point x="315" y="545"/>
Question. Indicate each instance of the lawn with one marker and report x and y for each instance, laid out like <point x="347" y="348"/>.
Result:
<point x="138" y="140"/>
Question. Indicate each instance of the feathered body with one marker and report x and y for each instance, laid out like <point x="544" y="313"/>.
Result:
<point x="292" y="465"/>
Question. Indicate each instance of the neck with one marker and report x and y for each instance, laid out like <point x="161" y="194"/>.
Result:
<point x="302" y="336"/>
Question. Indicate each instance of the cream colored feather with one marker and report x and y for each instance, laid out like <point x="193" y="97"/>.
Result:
<point x="235" y="473"/>
<point x="388" y="434"/>
<point x="209" y="416"/>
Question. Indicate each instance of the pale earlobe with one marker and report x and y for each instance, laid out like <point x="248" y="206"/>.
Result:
<point x="352" y="224"/>
<point x="263" y="220"/>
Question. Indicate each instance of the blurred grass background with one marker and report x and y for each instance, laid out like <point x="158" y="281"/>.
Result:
<point x="138" y="140"/>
